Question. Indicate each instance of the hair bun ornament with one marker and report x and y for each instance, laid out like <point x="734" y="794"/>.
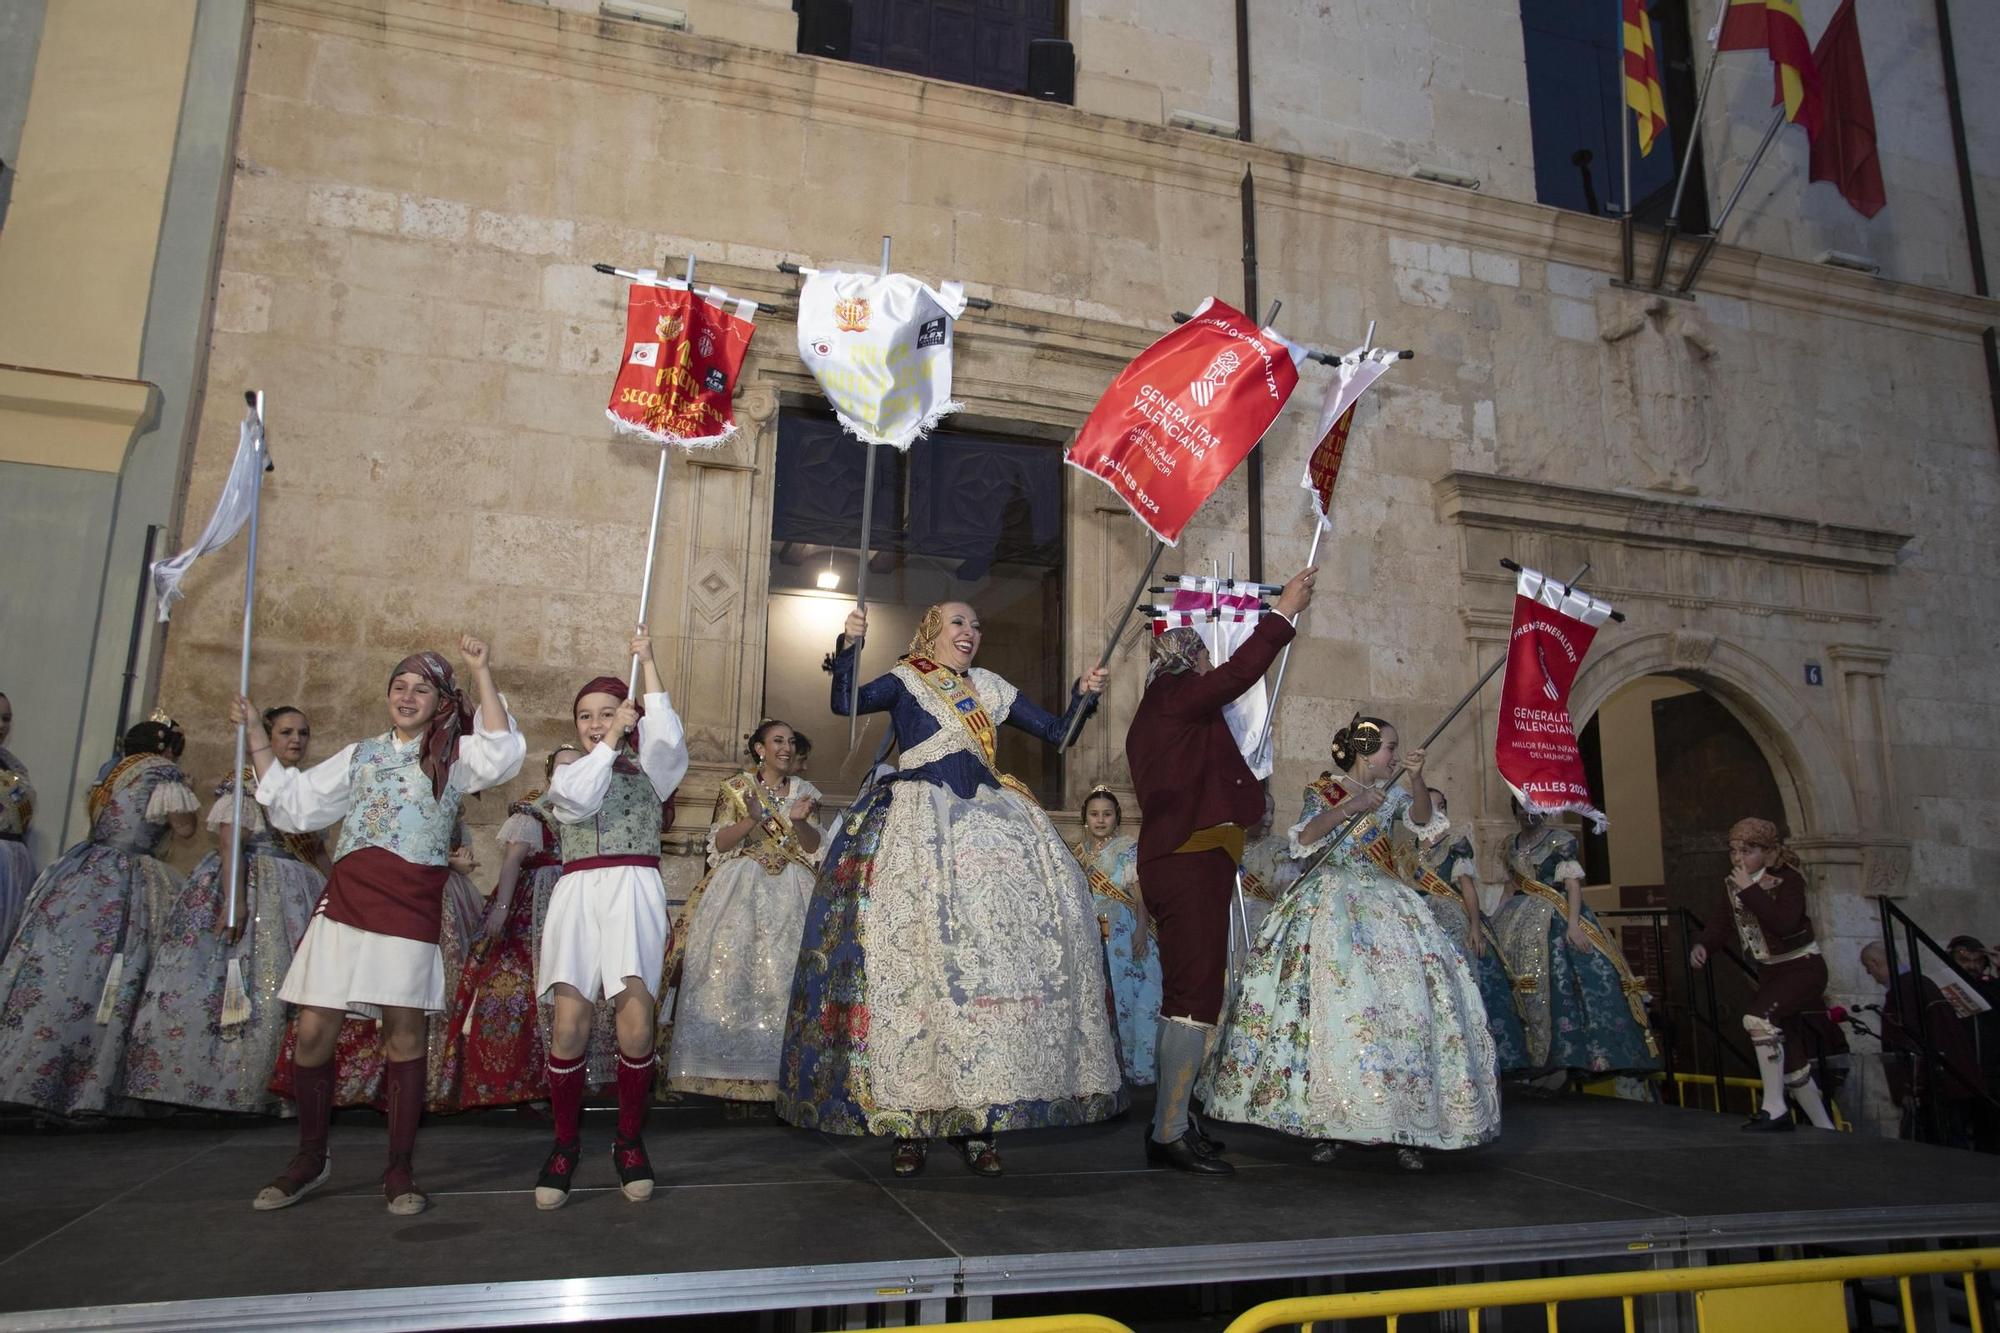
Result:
<point x="1100" y="789"/>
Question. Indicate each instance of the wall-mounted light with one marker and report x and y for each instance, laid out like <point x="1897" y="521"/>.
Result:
<point x="658" y="15"/>
<point x="1444" y="176"/>
<point x="1194" y="120"/>
<point x="1842" y="259"/>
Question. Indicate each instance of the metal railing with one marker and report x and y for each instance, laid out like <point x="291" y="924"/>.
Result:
<point x="1927" y="1116"/>
<point x="1753" y="1087"/>
<point x="1050" y="1323"/>
<point x="1796" y="1277"/>
<point x="1667" y="922"/>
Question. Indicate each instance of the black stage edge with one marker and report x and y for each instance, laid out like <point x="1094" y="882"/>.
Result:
<point x="150" y="1226"/>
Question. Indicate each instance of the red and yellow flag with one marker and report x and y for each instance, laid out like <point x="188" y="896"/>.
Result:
<point x="1792" y="63"/>
<point x="1642" y="76"/>
<point x="1742" y="27"/>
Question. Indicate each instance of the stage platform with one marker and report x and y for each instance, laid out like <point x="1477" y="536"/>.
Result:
<point x="150" y="1226"/>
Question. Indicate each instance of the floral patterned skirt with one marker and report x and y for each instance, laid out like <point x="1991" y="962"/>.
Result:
<point x="950" y="979"/>
<point x="17" y="876"/>
<point x="492" y="1052"/>
<point x="94" y="905"/>
<point x="1575" y="1009"/>
<point x="1496" y="985"/>
<point x="1356" y="1019"/>
<point x="179" y="1052"/>
<point x="1135" y="993"/>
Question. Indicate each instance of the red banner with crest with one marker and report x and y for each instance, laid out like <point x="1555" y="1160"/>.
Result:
<point x="683" y="351"/>
<point x="1175" y="423"/>
<point x="1535" y="743"/>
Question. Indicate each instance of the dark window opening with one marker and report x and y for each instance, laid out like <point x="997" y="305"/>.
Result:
<point x="984" y="43"/>
<point x="1576" y="108"/>
<point x="961" y="517"/>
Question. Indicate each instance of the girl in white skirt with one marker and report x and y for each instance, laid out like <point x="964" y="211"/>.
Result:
<point x="606" y="932"/>
<point x="372" y="946"/>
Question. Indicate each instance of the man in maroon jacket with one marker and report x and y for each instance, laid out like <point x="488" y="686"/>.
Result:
<point x="1197" y="797"/>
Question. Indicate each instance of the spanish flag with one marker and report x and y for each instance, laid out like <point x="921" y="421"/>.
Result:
<point x="1642" y="76"/>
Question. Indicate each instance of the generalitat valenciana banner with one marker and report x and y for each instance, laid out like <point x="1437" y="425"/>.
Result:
<point x="1535" y="745"/>
<point x="683" y="351"/>
<point x="1175" y="423"/>
<point x="880" y="347"/>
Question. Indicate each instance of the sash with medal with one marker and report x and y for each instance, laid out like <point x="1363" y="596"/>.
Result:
<point x="958" y="694"/>
<point x="1103" y="886"/>
<point x="1633" y="988"/>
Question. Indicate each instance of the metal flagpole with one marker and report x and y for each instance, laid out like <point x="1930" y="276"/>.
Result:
<point x="1465" y="700"/>
<point x="1673" y="226"/>
<point x="255" y="399"/>
<point x="1625" y="135"/>
<point x="1312" y="558"/>
<point x="653" y="532"/>
<point x="1715" y="231"/>
<point x="861" y="573"/>
<point x="1117" y="628"/>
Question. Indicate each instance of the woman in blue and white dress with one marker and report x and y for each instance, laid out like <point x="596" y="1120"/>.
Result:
<point x="1357" y="1019"/>
<point x="1111" y="862"/>
<point x="71" y="981"/>
<point x="950" y="980"/>
<point x="17" y="811"/>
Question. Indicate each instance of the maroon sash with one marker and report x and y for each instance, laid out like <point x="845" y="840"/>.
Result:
<point x="374" y="889"/>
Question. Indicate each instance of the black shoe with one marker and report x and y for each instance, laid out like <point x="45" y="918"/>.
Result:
<point x="552" y="1186"/>
<point x="1410" y="1159"/>
<point x="635" y="1169"/>
<point x="1324" y="1151"/>
<point x="907" y="1157"/>
<point x="982" y="1156"/>
<point x="1182" y="1155"/>
<point x="1764" y="1123"/>
<point x="1204" y="1146"/>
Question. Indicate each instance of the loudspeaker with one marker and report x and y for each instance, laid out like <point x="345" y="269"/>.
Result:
<point x="1052" y="70"/>
<point x="826" y="28"/>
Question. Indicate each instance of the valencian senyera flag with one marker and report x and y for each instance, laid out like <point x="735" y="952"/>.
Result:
<point x="880" y="347"/>
<point x="1535" y="745"/>
<point x="232" y="511"/>
<point x="1225" y="613"/>
<point x="683" y="351"/>
<point x="1357" y="370"/>
<point x="1642" y="77"/>
<point x="1778" y="28"/>
<point x="1175" y="423"/>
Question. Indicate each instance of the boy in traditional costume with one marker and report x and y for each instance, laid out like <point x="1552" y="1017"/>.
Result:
<point x="607" y="927"/>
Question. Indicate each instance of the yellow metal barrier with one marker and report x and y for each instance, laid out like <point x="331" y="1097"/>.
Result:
<point x="1039" y="1323"/>
<point x="1754" y="1088"/>
<point x="1728" y="1297"/>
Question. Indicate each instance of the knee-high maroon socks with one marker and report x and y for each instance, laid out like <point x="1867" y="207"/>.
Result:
<point x="635" y="1094"/>
<point x="566" y="1098"/>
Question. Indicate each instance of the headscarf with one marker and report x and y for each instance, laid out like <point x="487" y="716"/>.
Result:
<point x="1763" y="833"/>
<point x="1174" y="652"/>
<point x="452" y="720"/>
<point x="620" y="691"/>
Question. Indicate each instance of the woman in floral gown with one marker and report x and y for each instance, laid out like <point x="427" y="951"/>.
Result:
<point x="950" y="981"/>
<point x="1583" y="1009"/>
<point x="1444" y="868"/>
<point x="210" y="1024"/>
<point x="495" y="1038"/>
<point x="737" y="942"/>
<point x="1357" y="1019"/>
<point x="71" y="982"/>
<point x="17" y="810"/>
<point x="1110" y="861"/>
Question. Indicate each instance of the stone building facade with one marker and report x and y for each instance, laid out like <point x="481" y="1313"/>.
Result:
<point x="1796" y="469"/>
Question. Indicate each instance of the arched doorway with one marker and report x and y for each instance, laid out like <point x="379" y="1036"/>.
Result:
<point x="1675" y="766"/>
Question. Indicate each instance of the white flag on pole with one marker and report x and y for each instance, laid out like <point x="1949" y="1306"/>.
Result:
<point x="880" y="347"/>
<point x="232" y="511"/>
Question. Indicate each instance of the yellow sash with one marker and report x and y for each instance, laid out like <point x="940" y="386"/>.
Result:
<point x="101" y="794"/>
<point x="1103" y="886"/>
<point x="304" y="847"/>
<point x="769" y="850"/>
<point x="958" y="695"/>
<point x="1255" y="886"/>
<point x="1634" y="989"/>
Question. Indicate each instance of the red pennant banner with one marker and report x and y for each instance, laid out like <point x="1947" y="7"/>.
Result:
<point x="1177" y="421"/>
<point x="683" y="351"/>
<point x="1535" y="745"/>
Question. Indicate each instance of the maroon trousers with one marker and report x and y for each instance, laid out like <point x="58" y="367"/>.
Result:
<point x="1188" y="896"/>
<point x="1786" y="994"/>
